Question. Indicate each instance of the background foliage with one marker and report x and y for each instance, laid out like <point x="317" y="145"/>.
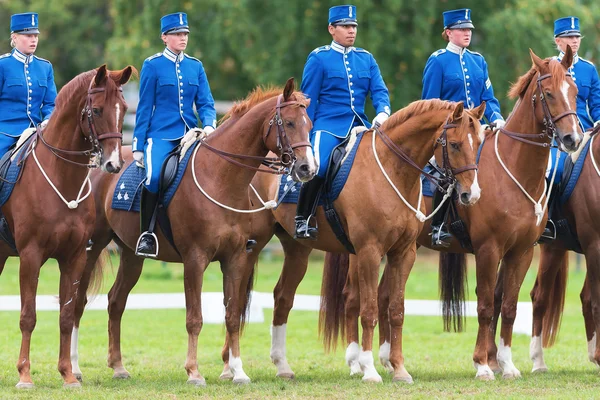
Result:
<point x="244" y="43"/>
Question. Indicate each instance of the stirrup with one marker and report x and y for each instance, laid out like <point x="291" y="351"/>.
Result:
<point x="303" y="230"/>
<point x="137" y="246"/>
<point x="549" y="230"/>
<point x="440" y="238"/>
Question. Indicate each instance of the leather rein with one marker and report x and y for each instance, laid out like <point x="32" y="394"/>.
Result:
<point x="282" y="164"/>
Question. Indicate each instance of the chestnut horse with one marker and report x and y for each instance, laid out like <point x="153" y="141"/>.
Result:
<point x="548" y="293"/>
<point x="84" y="130"/>
<point x="376" y="220"/>
<point x="505" y="225"/>
<point x="204" y="231"/>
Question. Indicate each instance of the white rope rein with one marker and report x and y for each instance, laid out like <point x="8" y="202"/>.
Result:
<point x="592" y="155"/>
<point x="73" y="204"/>
<point x="266" y="205"/>
<point x="420" y="216"/>
<point x="538" y="208"/>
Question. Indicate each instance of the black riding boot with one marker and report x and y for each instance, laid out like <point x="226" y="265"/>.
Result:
<point x="307" y="199"/>
<point x="147" y="245"/>
<point x="440" y="237"/>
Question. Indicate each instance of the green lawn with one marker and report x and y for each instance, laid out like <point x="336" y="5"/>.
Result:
<point x="154" y="348"/>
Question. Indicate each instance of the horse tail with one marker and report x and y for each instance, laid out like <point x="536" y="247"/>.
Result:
<point x="453" y="280"/>
<point x="556" y="303"/>
<point x="248" y="297"/>
<point x="332" y="321"/>
<point x="97" y="274"/>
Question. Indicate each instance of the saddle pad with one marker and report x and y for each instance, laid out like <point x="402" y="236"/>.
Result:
<point x="10" y="173"/>
<point x="127" y="194"/>
<point x="575" y="173"/>
<point x="336" y="188"/>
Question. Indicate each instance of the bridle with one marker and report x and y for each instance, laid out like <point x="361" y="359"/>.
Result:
<point x="90" y="135"/>
<point x="448" y="172"/>
<point x="282" y="164"/>
<point x="550" y="131"/>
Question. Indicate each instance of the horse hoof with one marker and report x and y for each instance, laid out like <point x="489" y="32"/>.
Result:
<point x="79" y="377"/>
<point x="485" y="377"/>
<point x="72" y="385"/>
<point x="373" y="379"/>
<point x="121" y="375"/>
<point x="226" y="375"/>
<point x="540" y="370"/>
<point x="286" y="375"/>
<point x="511" y="375"/>
<point x="196" y="381"/>
<point x="404" y="379"/>
<point x="25" y="385"/>
<point x="241" y="381"/>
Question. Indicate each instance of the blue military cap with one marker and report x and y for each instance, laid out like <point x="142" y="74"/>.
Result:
<point x="567" y="26"/>
<point x="26" y="23"/>
<point x="458" y="19"/>
<point x="343" y="15"/>
<point x="174" y="23"/>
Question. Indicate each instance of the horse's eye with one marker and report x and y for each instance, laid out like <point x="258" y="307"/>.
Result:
<point x="549" y="95"/>
<point x="97" y="112"/>
<point x="289" y="124"/>
<point x="455" y="146"/>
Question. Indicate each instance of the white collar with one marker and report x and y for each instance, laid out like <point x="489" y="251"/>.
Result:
<point x="25" y="59"/>
<point x="575" y="58"/>
<point x="339" y="48"/>
<point x="172" y="56"/>
<point x="452" y="48"/>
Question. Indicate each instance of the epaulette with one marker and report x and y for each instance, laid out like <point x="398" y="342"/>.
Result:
<point x="438" y="52"/>
<point x="586" y="61"/>
<point x="474" y="52"/>
<point x="5" y="55"/>
<point x="154" y="56"/>
<point x="190" y="57"/>
<point x="358" y="49"/>
<point x="42" y="59"/>
<point x="322" y="48"/>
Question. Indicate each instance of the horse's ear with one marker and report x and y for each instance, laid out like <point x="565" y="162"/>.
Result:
<point x="125" y="75"/>
<point x="100" y="75"/>
<point x="538" y="62"/>
<point x="289" y="89"/>
<point x="458" y="111"/>
<point x="477" y="112"/>
<point x="567" y="59"/>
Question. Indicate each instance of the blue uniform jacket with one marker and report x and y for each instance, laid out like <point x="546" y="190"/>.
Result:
<point x="170" y="86"/>
<point x="337" y="80"/>
<point x="457" y="74"/>
<point x="27" y="92"/>
<point x="585" y="75"/>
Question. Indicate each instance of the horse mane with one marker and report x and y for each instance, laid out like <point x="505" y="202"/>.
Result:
<point x="557" y="73"/>
<point x="257" y="96"/>
<point x="416" y="108"/>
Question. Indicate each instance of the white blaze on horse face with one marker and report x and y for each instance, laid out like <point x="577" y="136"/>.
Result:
<point x="564" y="89"/>
<point x="470" y="140"/>
<point x="536" y="354"/>
<point x="475" y="190"/>
<point x="118" y="108"/>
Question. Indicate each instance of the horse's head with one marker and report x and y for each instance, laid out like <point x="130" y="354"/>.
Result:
<point x="102" y="117"/>
<point x="289" y="139"/>
<point x="456" y="150"/>
<point x="555" y="100"/>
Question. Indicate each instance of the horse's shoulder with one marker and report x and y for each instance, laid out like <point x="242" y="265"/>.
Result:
<point x="438" y="52"/>
<point x="191" y="58"/>
<point x="153" y="57"/>
<point x="320" y="49"/>
<point x="42" y="59"/>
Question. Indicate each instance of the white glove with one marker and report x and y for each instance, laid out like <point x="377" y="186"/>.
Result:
<point x="138" y="156"/>
<point x="208" y="129"/>
<point x="380" y="118"/>
<point x="43" y="124"/>
<point x="499" y="123"/>
<point x="596" y="123"/>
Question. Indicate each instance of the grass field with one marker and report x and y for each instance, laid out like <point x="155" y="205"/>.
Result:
<point x="154" y="348"/>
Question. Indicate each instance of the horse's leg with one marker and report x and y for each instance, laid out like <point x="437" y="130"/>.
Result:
<point x="486" y="259"/>
<point x="29" y="272"/>
<point x="92" y="256"/>
<point x="492" y="348"/>
<point x="384" y="323"/>
<point x="550" y="258"/>
<point x="351" y="296"/>
<point x="588" y="319"/>
<point x="71" y="270"/>
<point x="130" y="269"/>
<point x="592" y="256"/>
<point x="368" y="259"/>
<point x="400" y="264"/>
<point x="516" y="267"/>
<point x="294" y="267"/>
<point x="194" y="265"/>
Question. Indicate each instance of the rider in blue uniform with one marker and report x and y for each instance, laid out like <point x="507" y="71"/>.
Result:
<point x="585" y="76"/>
<point x="27" y="89"/>
<point x="458" y="74"/>
<point x="171" y="84"/>
<point x="337" y="78"/>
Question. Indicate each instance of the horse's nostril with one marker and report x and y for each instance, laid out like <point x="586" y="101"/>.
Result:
<point x="304" y="168"/>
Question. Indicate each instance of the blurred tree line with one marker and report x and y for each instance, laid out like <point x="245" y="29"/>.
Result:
<point x="244" y="43"/>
